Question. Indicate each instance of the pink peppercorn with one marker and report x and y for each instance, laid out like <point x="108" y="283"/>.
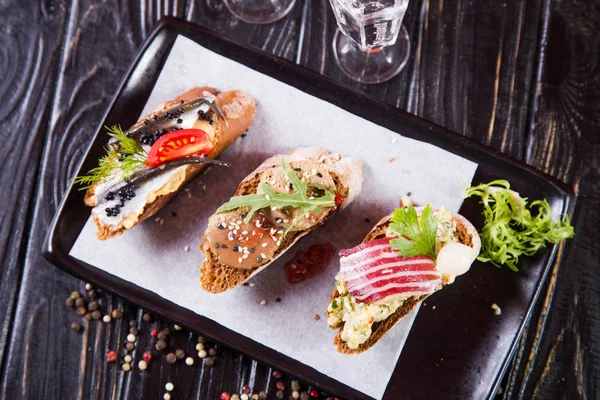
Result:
<point x="225" y="396"/>
<point x="276" y="374"/>
<point x="154" y="333"/>
<point x="111" y="356"/>
<point x="246" y="389"/>
<point x="147" y="356"/>
<point x="280" y="385"/>
<point x="314" y="393"/>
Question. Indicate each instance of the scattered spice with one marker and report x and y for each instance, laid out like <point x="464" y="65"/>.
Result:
<point x="392" y="159"/>
<point x="199" y="346"/>
<point x="76" y="326"/>
<point x="117" y="314"/>
<point x="162" y="335"/>
<point x="70" y="302"/>
<point x="317" y="317"/>
<point x="133" y="323"/>
<point x="96" y="315"/>
<point x="189" y="361"/>
<point x="262" y="395"/>
<point x="171" y="358"/>
<point x="142" y="365"/>
<point x="154" y="333"/>
<point x="128" y="358"/>
<point x="129" y="346"/>
<point x="314" y="393"/>
<point x="202" y="354"/>
<point x="263" y="302"/>
<point x="133" y="331"/>
<point x="75" y="295"/>
<point x="245" y="389"/>
<point x="212" y="352"/>
<point x="295" y="394"/>
<point x="111" y="356"/>
<point x="169" y="387"/>
<point x="235" y="397"/>
<point x="177" y="327"/>
<point x="186" y="248"/>
<point x="179" y="354"/>
<point x="80" y="302"/>
<point x="225" y="396"/>
<point x="106" y="319"/>
<point x="496" y="308"/>
<point x="209" y="361"/>
<point x="276" y="374"/>
<point x="93" y="306"/>
<point x="81" y="311"/>
<point x="279" y="394"/>
<point x="278" y="300"/>
<point x="131" y="338"/>
<point x="394" y="140"/>
<point x="93" y="294"/>
<point x="167" y="396"/>
<point x="147" y="317"/>
<point x="88" y="286"/>
<point x="296" y="386"/>
<point x="304" y="396"/>
<point x="161" y="345"/>
<point x="147" y="356"/>
<point x="126" y="367"/>
<point x="244" y="396"/>
<point x="280" y="385"/>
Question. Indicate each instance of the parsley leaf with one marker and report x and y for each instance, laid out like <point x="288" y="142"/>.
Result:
<point x="414" y="238"/>
<point x="298" y="199"/>
<point x="510" y="228"/>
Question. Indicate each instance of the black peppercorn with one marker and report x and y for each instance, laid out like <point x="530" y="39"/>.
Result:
<point x="171" y="358"/>
<point x="76" y="326"/>
<point x="133" y="323"/>
<point x="133" y="330"/>
<point x="147" y="317"/>
<point x="80" y="302"/>
<point x="81" y="311"/>
<point x="70" y="302"/>
<point x="93" y="306"/>
<point x="179" y="354"/>
<point x="96" y="315"/>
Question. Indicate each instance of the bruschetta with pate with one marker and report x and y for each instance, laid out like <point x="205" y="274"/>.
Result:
<point x="281" y="201"/>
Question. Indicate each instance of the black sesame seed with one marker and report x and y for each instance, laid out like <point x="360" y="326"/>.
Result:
<point x="161" y="336"/>
<point x="174" y="214"/>
<point x="244" y="215"/>
<point x="161" y="345"/>
<point x="221" y="226"/>
<point x="93" y="306"/>
<point x="252" y="250"/>
<point x="259" y="259"/>
<point x="278" y="299"/>
<point x="298" y="169"/>
<point x="133" y="323"/>
<point x="179" y="121"/>
<point x="223" y="246"/>
<point x="147" y="317"/>
<point x="70" y="302"/>
<point x="291" y="186"/>
<point x="217" y="246"/>
<point x="146" y="121"/>
<point x="245" y="284"/>
<point x="320" y="175"/>
<point x="278" y="220"/>
<point x="409" y="193"/>
<point x="181" y="102"/>
<point x="155" y="118"/>
<point x="236" y="248"/>
<point x="367" y="220"/>
<point x="244" y="135"/>
<point x="299" y="261"/>
<point x="80" y="302"/>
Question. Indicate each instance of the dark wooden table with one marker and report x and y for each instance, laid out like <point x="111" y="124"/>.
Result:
<point x="521" y="76"/>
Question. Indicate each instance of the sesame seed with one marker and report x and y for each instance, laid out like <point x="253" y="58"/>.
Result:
<point x="394" y="140"/>
<point x="267" y="197"/>
<point x="142" y="365"/>
<point x="264" y="245"/>
<point x="189" y="361"/>
<point x="162" y="221"/>
<point x="169" y="387"/>
<point x="189" y="195"/>
<point x="240" y="260"/>
<point x="244" y="232"/>
<point x="263" y="255"/>
<point x="263" y="302"/>
<point x="186" y="248"/>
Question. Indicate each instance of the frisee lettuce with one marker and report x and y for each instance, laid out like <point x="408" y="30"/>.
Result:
<point x="414" y="238"/>
<point x="512" y="226"/>
<point x="298" y="199"/>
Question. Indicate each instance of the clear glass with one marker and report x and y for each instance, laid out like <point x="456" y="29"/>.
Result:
<point x="373" y="45"/>
<point x="260" y="11"/>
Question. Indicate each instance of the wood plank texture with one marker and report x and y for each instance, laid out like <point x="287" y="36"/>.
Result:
<point x="522" y="77"/>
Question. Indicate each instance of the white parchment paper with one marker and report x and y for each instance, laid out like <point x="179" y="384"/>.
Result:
<point x="152" y="255"/>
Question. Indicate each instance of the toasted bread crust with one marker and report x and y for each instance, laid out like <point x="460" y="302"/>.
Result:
<point x="216" y="277"/>
<point x="238" y="108"/>
<point x="466" y="234"/>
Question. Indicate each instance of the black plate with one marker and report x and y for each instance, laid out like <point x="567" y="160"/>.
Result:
<point x="458" y="349"/>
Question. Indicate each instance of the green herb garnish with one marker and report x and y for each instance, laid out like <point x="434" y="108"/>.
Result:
<point x="414" y="238"/>
<point x="510" y="230"/>
<point x="334" y="304"/>
<point x="299" y="199"/>
<point x="126" y="156"/>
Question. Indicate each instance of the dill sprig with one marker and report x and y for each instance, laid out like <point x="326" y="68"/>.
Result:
<point x="123" y="157"/>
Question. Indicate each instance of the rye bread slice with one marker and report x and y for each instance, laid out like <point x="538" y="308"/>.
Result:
<point x="238" y="108"/>
<point x="466" y="234"/>
<point x="346" y="172"/>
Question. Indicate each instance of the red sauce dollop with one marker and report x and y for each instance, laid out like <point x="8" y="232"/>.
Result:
<point x="307" y="264"/>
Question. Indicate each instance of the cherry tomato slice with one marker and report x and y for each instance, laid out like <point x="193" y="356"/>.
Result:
<point x="178" y="144"/>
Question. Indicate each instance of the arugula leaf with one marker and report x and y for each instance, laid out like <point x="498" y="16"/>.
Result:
<point x="510" y="229"/>
<point x="298" y="199"/>
<point x="414" y="238"/>
<point x="125" y="157"/>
